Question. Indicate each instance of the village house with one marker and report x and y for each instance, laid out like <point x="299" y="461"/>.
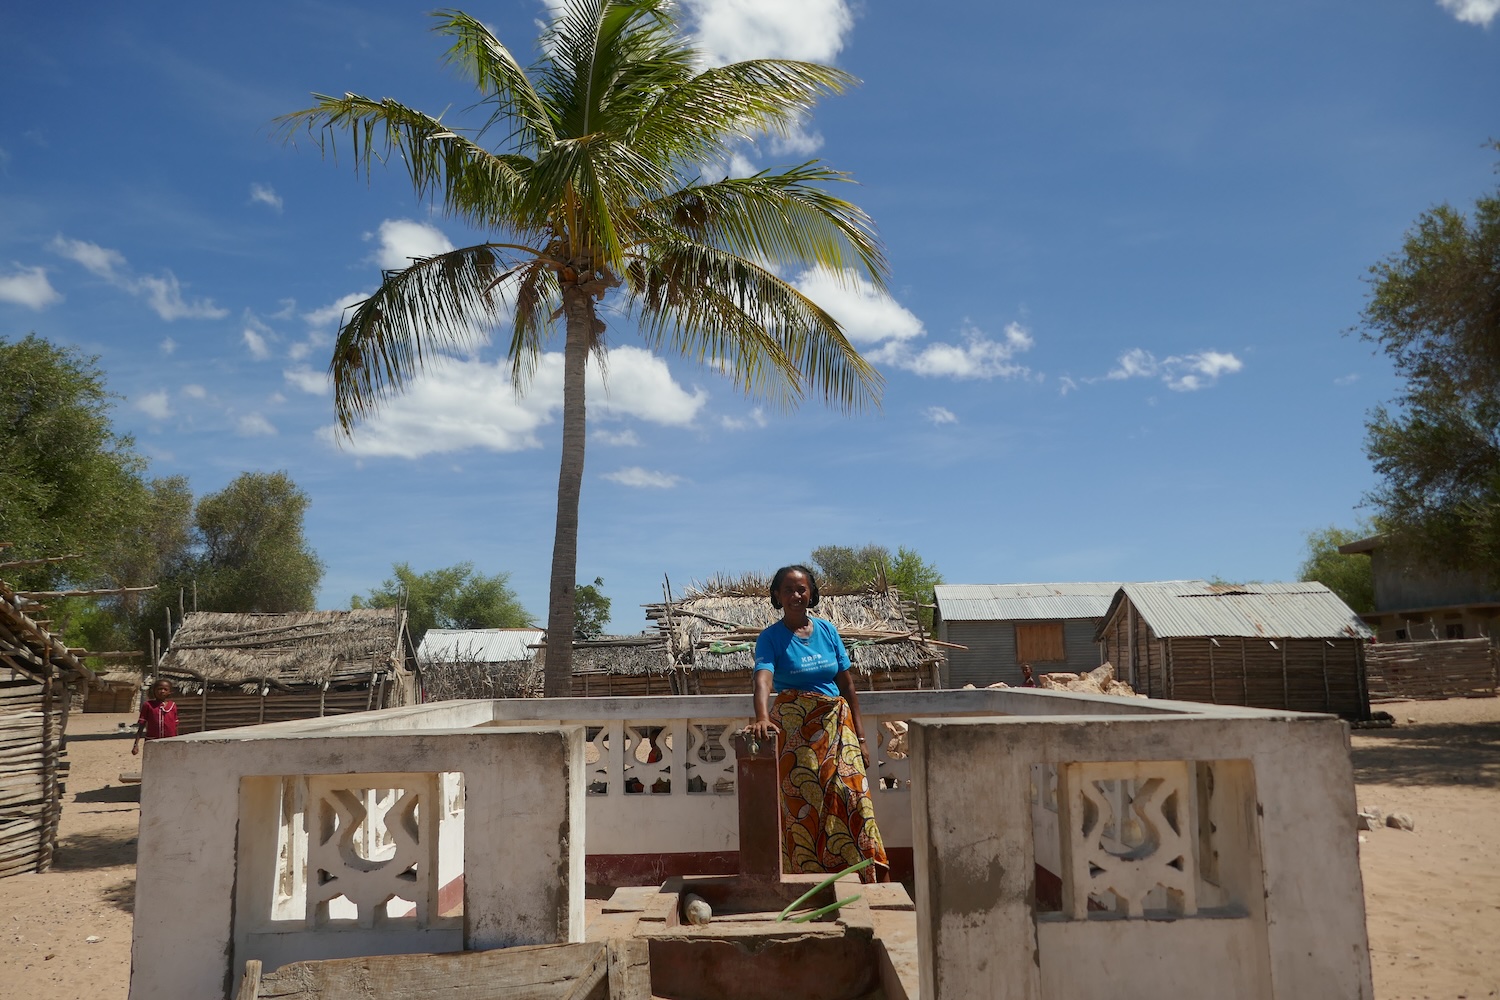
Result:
<point x="1264" y="645"/>
<point x="1048" y="625"/>
<point x="1418" y="601"/>
<point x="244" y="669"/>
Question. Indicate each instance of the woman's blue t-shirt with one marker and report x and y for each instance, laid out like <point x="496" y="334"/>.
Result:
<point x="810" y="664"/>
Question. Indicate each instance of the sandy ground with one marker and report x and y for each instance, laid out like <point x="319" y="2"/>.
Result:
<point x="1432" y="894"/>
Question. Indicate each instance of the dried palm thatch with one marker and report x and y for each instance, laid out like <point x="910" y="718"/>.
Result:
<point x="714" y="630"/>
<point x="289" y="649"/>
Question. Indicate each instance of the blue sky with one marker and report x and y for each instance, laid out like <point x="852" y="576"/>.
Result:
<point x="1126" y="241"/>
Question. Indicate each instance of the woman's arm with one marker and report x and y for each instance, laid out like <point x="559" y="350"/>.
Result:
<point x="762" y="727"/>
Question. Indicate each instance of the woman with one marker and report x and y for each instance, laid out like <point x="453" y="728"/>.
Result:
<point x="825" y="802"/>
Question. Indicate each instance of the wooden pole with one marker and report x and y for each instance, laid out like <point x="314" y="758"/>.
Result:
<point x="49" y="767"/>
<point x="1327" y="694"/>
<point x="1244" y="673"/>
<point x="1286" y="687"/>
<point x="1213" y="694"/>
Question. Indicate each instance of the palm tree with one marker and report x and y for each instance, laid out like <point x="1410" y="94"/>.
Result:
<point x="593" y="186"/>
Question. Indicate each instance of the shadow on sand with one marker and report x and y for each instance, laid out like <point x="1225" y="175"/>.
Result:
<point x="1439" y="753"/>
<point x="110" y="793"/>
<point x="107" y="849"/>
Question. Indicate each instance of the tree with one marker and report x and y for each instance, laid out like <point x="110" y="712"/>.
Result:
<point x="252" y="554"/>
<point x="455" y="597"/>
<point x="1434" y="308"/>
<point x="68" y="483"/>
<point x="593" y="610"/>
<point x="847" y="568"/>
<point x="1348" y="576"/>
<point x="593" y="186"/>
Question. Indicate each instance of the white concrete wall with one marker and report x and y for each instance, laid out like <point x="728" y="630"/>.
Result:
<point x="523" y="862"/>
<point x="1289" y="915"/>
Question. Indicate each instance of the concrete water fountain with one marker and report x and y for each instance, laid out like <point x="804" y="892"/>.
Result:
<point x="743" y="951"/>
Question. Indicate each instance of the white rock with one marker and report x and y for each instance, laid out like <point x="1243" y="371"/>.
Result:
<point x="1399" y="821"/>
<point x="92" y="939"/>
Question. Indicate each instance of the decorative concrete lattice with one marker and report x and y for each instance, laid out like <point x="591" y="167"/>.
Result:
<point x="1129" y="834"/>
<point x="372" y="846"/>
<point x="619" y="756"/>
<point x="710" y="759"/>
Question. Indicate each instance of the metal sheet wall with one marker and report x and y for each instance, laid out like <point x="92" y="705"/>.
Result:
<point x="991" y="655"/>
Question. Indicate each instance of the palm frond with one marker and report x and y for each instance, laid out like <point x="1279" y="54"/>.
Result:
<point x="468" y="180"/>
<point x="495" y="72"/>
<point x="432" y="305"/>
<point x="699" y="119"/>
<point x="726" y="310"/>
<point x="535" y="297"/>
<point x="783" y="217"/>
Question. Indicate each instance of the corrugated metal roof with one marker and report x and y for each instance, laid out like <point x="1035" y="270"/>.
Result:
<point x="1023" y="601"/>
<point x="1182" y="608"/>
<point x="478" y="645"/>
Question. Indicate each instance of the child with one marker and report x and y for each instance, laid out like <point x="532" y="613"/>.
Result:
<point x="158" y="716"/>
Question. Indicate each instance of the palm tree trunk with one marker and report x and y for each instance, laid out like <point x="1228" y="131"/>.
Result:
<point x="578" y="311"/>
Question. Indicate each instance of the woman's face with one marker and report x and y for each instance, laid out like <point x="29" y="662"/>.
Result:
<point x="795" y="591"/>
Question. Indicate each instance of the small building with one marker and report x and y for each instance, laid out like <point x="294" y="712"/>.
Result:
<point x="480" y="663"/>
<point x="625" y="666"/>
<point x="114" y="691"/>
<point x="1263" y="645"/>
<point x="38" y="675"/>
<point x="1416" y="601"/>
<point x="710" y="640"/>
<point x="235" y="670"/>
<point x="1048" y="625"/>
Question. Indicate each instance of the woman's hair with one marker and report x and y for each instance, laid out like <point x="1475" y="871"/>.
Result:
<point x="812" y="584"/>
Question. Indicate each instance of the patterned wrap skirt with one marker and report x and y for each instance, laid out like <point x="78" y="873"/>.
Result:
<point x="825" y="800"/>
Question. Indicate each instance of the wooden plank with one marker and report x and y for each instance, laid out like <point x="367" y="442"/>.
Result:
<point x="617" y="970"/>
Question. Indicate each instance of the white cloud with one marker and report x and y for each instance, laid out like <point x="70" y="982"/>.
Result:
<point x="638" y="384"/>
<point x="276" y="399"/>
<point x="28" y="287"/>
<point x="264" y="194"/>
<point x="756" y="418"/>
<point x="254" y="425"/>
<point x="193" y="391"/>
<point x="733" y="30"/>
<point x="977" y="356"/>
<point x="1349" y="379"/>
<point x="867" y="314"/>
<point x="255" y="342"/>
<point x="456" y="404"/>
<point x="99" y="260"/>
<point x="797" y="142"/>
<point x="163" y="292"/>
<point x="333" y="313"/>
<point x="403" y="239"/>
<point x="168" y="346"/>
<point x="164" y="295"/>
<point x="620" y="439"/>
<point x="940" y="415"/>
<point x="1066" y="385"/>
<point x="1480" y="12"/>
<point x="155" y="405"/>
<point x="1182" y="373"/>
<point x="309" y="381"/>
<point x="303" y="348"/>
<point x="643" y="478"/>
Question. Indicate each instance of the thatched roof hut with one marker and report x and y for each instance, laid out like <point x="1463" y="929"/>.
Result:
<point x="710" y="638"/>
<point x="624" y="666"/>
<point x="252" y="668"/>
<point x="37" y="675"/>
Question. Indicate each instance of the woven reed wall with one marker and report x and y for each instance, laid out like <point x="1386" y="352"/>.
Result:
<point x="1446" y="668"/>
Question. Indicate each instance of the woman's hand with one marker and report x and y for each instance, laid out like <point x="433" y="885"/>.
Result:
<point x="762" y="729"/>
